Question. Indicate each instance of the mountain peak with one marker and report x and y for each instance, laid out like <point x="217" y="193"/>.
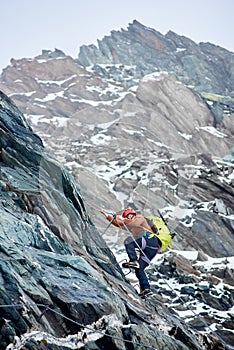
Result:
<point x="148" y="51"/>
<point x="53" y="54"/>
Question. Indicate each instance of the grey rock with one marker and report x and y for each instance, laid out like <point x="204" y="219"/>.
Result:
<point x="127" y="139"/>
<point x="57" y="273"/>
<point x="205" y="67"/>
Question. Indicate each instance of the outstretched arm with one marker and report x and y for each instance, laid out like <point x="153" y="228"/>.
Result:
<point x="117" y="220"/>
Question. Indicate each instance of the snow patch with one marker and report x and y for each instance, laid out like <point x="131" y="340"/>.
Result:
<point x="187" y="254"/>
<point x="156" y="76"/>
<point x="132" y="132"/>
<point x="34" y="119"/>
<point x="185" y="136"/>
<point x="30" y="93"/>
<point x="51" y="96"/>
<point x="57" y="82"/>
<point x="212" y="130"/>
<point x="100" y="139"/>
<point x="214" y="263"/>
<point x="180" y="49"/>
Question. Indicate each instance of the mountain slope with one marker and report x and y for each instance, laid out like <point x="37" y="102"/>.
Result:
<point x="149" y="141"/>
<point x="57" y="274"/>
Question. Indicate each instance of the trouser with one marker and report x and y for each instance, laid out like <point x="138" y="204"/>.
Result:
<point x="150" y="248"/>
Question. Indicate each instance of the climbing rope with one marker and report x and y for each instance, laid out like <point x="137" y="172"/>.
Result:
<point x="113" y="218"/>
<point x="119" y="338"/>
<point x="78" y="324"/>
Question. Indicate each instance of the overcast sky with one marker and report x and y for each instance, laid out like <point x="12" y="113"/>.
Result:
<point x="28" y="26"/>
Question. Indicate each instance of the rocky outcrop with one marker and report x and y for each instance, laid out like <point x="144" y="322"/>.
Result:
<point x="48" y="243"/>
<point x="57" y="274"/>
<point x="207" y="67"/>
<point x="155" y="147"/>
<point x="140" y="50"/>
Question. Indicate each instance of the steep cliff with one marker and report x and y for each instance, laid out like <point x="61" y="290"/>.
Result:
<point x="57" y="273"/>
<point x="128" y="138"/>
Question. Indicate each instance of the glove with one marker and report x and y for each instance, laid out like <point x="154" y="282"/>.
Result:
<point x="107" y="212"/>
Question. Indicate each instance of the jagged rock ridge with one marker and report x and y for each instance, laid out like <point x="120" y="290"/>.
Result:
<point x="149" y="51"/>
<point x="205" y="67"/>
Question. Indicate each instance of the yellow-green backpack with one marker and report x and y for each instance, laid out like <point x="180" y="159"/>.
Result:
<point x="163" y="233"/>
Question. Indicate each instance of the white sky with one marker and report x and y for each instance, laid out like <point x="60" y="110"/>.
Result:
<point x="28" y="26"/>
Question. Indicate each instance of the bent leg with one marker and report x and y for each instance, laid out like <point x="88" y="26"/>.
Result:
<point x="130" y="245"/>
<point x="149" y="249"/>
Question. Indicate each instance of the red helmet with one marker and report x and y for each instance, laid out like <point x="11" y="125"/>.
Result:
<point x="128" y="211"/>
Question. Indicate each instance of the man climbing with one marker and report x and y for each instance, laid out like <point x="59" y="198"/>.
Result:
<point x="143" y="237"/>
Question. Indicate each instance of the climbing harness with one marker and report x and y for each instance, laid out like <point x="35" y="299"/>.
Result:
<point x="138" y="246"/>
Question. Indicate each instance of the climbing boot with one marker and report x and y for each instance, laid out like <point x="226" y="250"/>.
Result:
<point x="131" y="265"/>
<point x="145" y="293"/>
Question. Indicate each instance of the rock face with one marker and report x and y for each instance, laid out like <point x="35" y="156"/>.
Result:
<point x="46" y="235"/>
<point x="202" y="65"/>
<point x="155" y="147"/>
<point x="57" y="274"/>
<point x="207" y="68"/>
<point x="128" y="138"/>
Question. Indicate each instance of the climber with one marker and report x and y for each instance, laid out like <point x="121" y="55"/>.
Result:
<point x="143" y="237"/>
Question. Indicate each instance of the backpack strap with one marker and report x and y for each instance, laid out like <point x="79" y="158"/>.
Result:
<point x="152" y="225"/>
